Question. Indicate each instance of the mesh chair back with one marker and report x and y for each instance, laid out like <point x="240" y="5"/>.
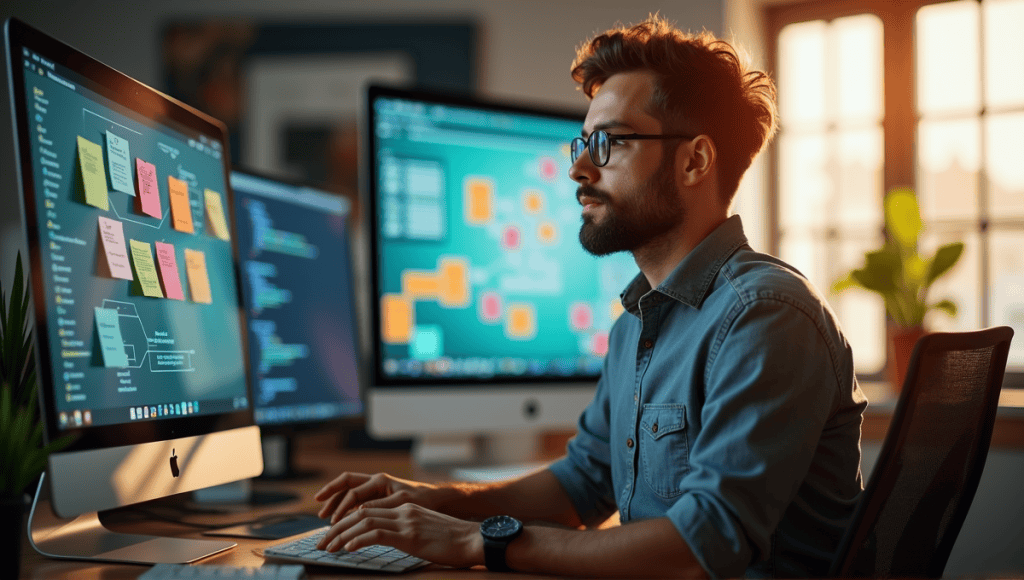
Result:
<point x="931" y="461"/>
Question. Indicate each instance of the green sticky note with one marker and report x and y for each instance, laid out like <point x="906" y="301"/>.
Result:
<point x="145" y="269"/>
<point x="108" y="327"/>
<point x="90" y="162"/>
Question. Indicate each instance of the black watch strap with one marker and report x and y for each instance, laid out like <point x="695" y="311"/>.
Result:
<point x="494" y="555"/>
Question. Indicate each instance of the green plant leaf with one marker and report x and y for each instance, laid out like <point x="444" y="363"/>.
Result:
<point x="880" y="271"/>
<point x="903" y="217"/>
<point x="947" y="306"/>
<point x="945" y="258"/>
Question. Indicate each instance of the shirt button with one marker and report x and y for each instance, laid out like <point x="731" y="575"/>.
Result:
<point x="654" y="428"/>
<point x="629" y="443"/>
<point x="648" y="343"/>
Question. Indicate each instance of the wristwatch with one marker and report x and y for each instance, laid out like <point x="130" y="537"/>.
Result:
<point x="498" y="531"/>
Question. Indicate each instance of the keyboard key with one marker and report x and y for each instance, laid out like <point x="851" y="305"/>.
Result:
<point x="376" y="558"/>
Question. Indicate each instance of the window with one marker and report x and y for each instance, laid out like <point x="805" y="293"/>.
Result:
<point x="875" y="95"/>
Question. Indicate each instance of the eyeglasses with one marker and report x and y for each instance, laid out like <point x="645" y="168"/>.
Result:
<point x="600" y="144"/>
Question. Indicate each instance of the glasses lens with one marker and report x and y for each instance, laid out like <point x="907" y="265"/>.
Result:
<point x="599" y="148"/>
<point x="576" y="148"/>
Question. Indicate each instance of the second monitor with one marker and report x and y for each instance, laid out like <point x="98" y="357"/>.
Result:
<point x="295" y="261"/>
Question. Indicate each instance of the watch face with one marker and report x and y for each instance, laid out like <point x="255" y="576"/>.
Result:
<point x="500" y="527"/>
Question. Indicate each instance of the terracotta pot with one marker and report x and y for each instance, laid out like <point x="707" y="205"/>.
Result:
<point x="901" y="345"/>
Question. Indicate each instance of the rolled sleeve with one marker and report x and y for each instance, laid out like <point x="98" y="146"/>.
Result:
<point x="584" y="472"/>
<point x="771" y="385"/>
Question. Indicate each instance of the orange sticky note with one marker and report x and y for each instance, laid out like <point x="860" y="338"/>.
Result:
<point x="215" y="215"/>
<point x="169" y="270"/>
<point x="181" y="209"/>
<point x="149" y="191"/>
<point x="198" y="280"/>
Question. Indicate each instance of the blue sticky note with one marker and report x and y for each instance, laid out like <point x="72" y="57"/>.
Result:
<point x="108" y="327"/>
<point x="119" y="164"/>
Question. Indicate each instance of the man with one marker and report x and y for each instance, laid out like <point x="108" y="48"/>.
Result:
<point x="725" y="429"/>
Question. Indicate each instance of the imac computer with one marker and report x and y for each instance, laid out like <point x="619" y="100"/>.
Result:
<point x="491" y="321"/>
<point x="140" y="346"/>
<point x="295" y="264"/>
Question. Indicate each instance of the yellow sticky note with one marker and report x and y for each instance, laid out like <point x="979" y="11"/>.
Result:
<point x="90" y="161"/>
<point x="198" y="280"/>
<point x="145" y="269"/>
<point x="215" y="215"/>
<point x="181" y="209"/>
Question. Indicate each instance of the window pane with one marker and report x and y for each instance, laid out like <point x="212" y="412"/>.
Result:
<point x="805" y="184"/>
<point x="860" y="179"/>
<point x="861" y="313"/>
<point x="962" y="284"/>
<point x="1004" y="52"/>
<point x="949" y="158"/>
<point x="946" y="46"/>
<point x="858" y="42"/>
<point x="802" y="73"/>
<point x="1007" y="296"/>
<point x="1004" y="164"/>
<point x="807" y="254"/>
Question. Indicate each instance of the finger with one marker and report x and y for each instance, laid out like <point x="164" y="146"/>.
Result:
<point x="343" y="482"/>
<point x="374" y="488"/>
<point x="360" y="522"/>
<point x="378" y="536"/>
<point x="335" y="504"/>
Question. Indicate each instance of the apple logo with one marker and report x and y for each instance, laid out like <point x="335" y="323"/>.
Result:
<point x="174" y="464"/>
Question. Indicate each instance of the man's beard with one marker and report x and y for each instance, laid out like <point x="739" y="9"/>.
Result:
<point x="637" y="218"/>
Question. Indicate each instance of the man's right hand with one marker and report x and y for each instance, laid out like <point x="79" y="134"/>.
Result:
<point x="349" y="491"/>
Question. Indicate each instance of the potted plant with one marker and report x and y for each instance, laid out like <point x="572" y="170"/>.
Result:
<point x="22" y="452"/>
<point x="902" y="276"/>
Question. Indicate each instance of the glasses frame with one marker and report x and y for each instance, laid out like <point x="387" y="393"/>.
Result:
<point x="577" y="145"/>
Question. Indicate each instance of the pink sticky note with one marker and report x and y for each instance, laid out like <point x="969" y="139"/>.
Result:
<point x="149" y="191"/>
<point x="112" y="234"/>
<point x="169" y="270"/>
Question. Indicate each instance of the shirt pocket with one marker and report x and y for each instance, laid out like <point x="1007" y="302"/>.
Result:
<point x="664" y="452"/>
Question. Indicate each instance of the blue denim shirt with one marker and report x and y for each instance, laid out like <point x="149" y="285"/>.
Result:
<point x="727" y="403"/>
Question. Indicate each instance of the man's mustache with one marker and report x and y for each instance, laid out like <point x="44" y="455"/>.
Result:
<point x="591" y="192"/>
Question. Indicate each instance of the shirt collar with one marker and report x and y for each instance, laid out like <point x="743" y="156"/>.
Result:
<point x="691" y="278"/>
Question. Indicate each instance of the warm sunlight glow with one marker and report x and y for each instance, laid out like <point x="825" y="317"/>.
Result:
<point x="1006" y="303"/>
<point x="1004" y="52"/>
<point x="946" y="45"/>
<point x="948" y="158"/>
<point x="1004" y="151"/>
<point x="802" y="73"/>
<point x="858" y="62"/>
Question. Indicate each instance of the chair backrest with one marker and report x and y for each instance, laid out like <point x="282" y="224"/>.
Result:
<point x="928" y="470"/>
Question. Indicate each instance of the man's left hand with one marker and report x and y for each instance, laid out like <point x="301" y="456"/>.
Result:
<point x="413" y="529"/>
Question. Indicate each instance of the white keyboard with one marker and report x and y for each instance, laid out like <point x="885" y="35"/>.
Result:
<point x="376" y="558"/>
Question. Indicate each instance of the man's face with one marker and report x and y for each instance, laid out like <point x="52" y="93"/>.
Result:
<point x="633" y="198"/>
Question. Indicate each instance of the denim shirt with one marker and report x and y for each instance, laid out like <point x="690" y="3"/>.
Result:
<point x="728" y="404"/>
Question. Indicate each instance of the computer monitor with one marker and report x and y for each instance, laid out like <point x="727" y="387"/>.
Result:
<point x="491" y="321"/>
<point x="294" y="248"/>
<point x="139" y="342"/>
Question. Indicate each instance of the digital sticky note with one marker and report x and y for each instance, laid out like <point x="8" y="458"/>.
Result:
<point x="215" y="215"/>
<point x="181" y="209"/>
<point x="198" y="280"/>
<point x="108" y="328"/>
<point x="169" y="270"/>
<point x="112" y="236"/>
<point x="119" y="164"/>
<point x="90" y="163"/>
<point x="149" y="191"/>
<point x="145" y="269"/>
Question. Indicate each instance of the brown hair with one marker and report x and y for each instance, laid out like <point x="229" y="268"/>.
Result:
<point x="703" y="87"/>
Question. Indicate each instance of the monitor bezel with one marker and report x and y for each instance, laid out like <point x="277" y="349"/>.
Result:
<point x="147" y="102"/>
<point x="294" y="427"/>
<point x="378" y="379"/>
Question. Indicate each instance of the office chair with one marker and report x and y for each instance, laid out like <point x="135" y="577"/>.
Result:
<point x="928" y="470"/>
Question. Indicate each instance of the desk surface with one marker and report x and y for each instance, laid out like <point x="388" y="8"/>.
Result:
<point x="319" y="452"/>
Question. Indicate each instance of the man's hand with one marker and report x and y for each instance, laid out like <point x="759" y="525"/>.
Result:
<point x="411" y="528"/>
<point x="351" y="490"/>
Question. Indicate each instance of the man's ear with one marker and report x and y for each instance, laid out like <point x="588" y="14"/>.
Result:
<point x="697" y="160"/>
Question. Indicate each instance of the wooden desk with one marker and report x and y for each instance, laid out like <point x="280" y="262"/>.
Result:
<point x="318" y="452"/>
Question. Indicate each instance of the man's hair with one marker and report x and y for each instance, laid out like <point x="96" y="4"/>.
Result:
<point x="703" y="87"/>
